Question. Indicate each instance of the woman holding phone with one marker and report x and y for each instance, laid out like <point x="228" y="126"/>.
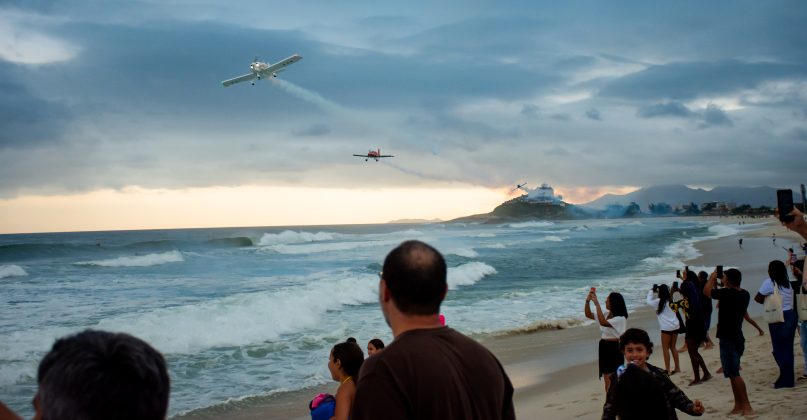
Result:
<point x="612" y="326"/>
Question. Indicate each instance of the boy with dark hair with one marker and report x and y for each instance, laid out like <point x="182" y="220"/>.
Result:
<point x="733" y="304"/>
<point x="96" y="375"/>
<point x="636" y="346"/>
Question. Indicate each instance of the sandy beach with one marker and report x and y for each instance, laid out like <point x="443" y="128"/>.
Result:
<point x="555" y="372"/>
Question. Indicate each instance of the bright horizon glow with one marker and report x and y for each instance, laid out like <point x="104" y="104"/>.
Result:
<point x="136" y="208"/>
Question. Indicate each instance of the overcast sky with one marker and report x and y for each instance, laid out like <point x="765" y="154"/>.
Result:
<point x="589" y="96"/>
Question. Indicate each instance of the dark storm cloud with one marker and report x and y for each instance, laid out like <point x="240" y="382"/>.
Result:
<point x="685" y="81"/>
<point x="27" y="120"/>
<point x="467" y="81"/>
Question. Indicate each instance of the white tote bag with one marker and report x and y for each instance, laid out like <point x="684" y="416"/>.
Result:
<point x="801" y="305"/>
<point x="773" y="306"/>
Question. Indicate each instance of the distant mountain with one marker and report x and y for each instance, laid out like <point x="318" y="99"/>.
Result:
<point x="681" y="194"/>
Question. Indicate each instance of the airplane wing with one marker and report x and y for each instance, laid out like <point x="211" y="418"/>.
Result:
<point x="384" y="156"/>
<point x="238" y="79"/>
<point x="362" y="155"/>
<point x="281" y="65"/>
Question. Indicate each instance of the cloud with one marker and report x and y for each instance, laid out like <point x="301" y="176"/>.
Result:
<point x="713" y="115"/>
<point x="594" y="114"/>
<point x="312" y="131"/>
<point x="691" y="80"/>
<point x="24" y="39"/>
<point x="26" y="120"/>
<point x="668" y="109"/>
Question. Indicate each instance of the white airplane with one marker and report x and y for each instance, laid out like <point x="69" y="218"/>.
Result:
<point x="260" y="69"/>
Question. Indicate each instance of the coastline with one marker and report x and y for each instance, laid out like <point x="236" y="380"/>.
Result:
<point x="554" y="372"/>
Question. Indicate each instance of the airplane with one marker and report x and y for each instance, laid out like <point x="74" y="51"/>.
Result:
<point x="260" y="69"/>
<point x="374" y="154"/>
<point x="519" y="187"/>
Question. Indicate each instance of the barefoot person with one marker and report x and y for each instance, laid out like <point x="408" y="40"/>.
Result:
<point x="612" y="326"/>
<point x="668" y="324"/>
<point x="695" y="326"/>
<point x="658" y="398"/>
<point x="429" y="371"/>
<point x="732" y="301"/>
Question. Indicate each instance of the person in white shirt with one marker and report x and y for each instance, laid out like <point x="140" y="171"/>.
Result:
<point x="782" y="333"/>
<point x="669" y="324"/>
<point x="612" y="326"/>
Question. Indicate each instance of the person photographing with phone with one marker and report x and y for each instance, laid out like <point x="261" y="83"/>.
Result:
<point x="612" y="326"/>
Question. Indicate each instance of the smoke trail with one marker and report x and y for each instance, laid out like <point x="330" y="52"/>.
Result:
<point x="421" y="175"/>
<point x="309" y="96"/>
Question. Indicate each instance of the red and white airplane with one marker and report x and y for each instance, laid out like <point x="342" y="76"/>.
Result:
<point x="374" y="154"/>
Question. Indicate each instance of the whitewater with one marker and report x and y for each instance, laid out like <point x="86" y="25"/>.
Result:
<point x="242" y="312"/>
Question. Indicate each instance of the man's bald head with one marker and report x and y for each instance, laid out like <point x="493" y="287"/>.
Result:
<point x="415" y="275"/>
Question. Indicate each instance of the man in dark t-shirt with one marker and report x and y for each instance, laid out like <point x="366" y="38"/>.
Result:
<point x="732" y="305"/>
<point x="429" y="370"/>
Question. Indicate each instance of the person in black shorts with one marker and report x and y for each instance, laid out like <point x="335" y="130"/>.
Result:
<point x="733" y="304"/>
<point x="696" y="327"/>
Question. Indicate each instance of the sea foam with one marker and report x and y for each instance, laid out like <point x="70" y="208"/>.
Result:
<point x="294" y="237"/>
<point x="137" y="260"/>
<point x="11" y="271"/>
<point x="530" y="224"/>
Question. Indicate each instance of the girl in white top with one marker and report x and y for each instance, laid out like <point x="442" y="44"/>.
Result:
<point x="612" y="326"/>
<point x="668" y="323"/>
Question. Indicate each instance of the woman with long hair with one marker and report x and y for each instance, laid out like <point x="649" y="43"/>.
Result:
<point x="695" y="326"/>
<point x="612" y="326"/>
<point x="668" y="323"/>
<point x="344" y="363"/>
<point x="374" y="346"/>
<point x="782" y="333"/>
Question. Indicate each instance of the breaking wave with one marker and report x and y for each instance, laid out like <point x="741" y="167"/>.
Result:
<point x="468" y="274"/>
<point x="294" y="237"/>
<point x="530" y="224"/>
<point x="11" y="271"/>
<point x="137" y="260"/>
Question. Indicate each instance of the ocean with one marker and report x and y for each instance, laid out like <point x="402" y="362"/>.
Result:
<point x="241" y="312"/>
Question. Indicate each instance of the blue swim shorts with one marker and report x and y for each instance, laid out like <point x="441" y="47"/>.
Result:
<point x="730" y="353"/>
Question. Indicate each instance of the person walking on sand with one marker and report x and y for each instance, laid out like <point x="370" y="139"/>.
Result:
<point x="612" y="326"/>
<point x="428" y="371"/>
<point x="740" y="241"/>
<point x="668" y="324"/>
<point x="732" y="301"/>
<point x="782" y="333"/>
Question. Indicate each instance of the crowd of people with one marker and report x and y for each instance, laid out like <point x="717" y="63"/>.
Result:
<point x="430" y="370"/>
<point x="635" y="389"/>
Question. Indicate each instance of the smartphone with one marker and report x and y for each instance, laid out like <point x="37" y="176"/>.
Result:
<point x="655" y="288"/>
<point x="675" y="285"/>
<point x="784" y="202"/>
<point x="686" y="268"/>
<point x="677" y="274"/>
<point x="593" y="290"/>
<point x="719" y="271"/>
